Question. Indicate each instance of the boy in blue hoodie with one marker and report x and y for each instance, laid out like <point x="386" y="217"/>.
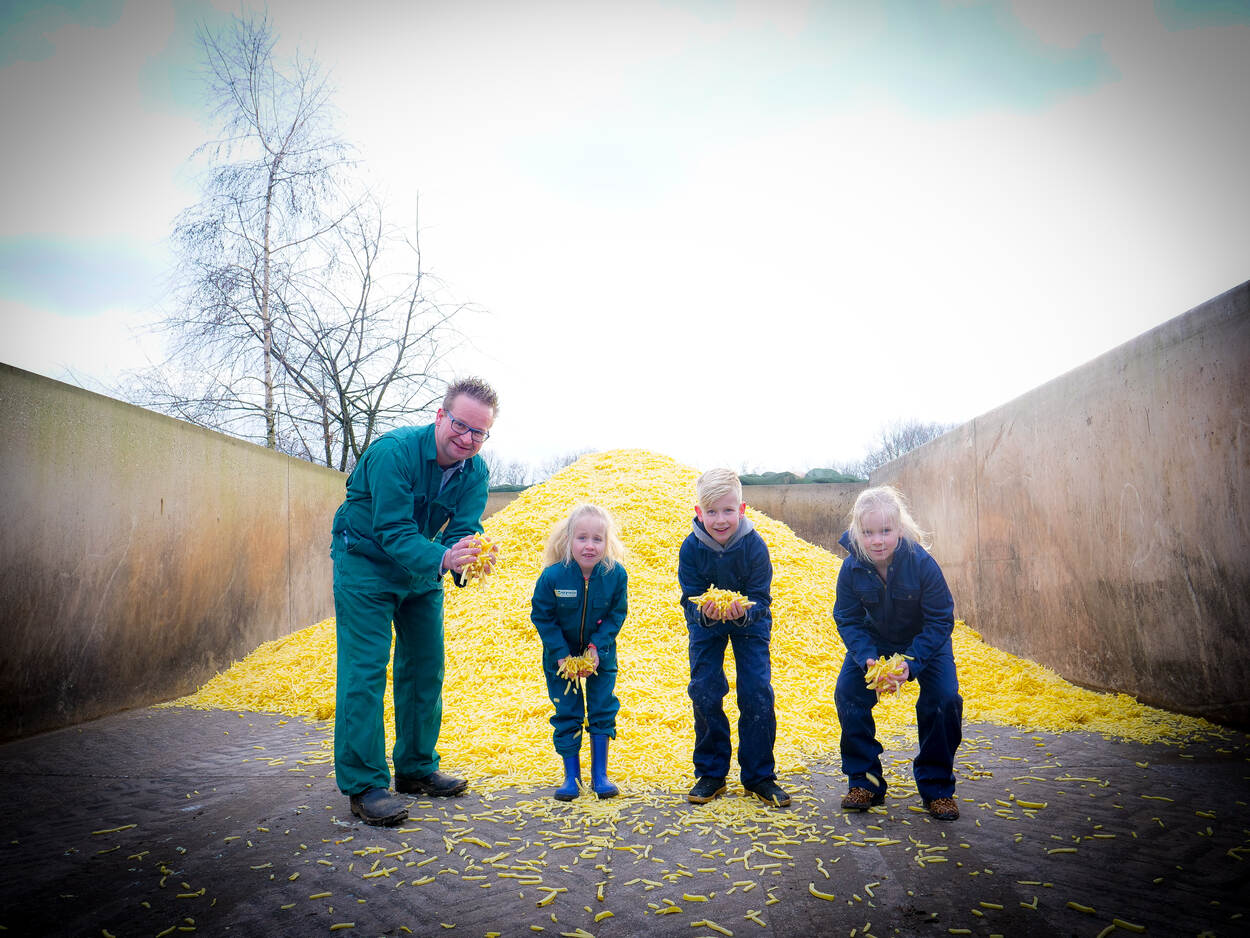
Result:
<point x="724" y="551"/>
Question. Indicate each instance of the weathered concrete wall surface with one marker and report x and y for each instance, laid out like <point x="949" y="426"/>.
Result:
<point x="140" y="555"/>
<point x="497" y="500"/>
<point x="817" y="511"/>
<point x="1099" y="524"/>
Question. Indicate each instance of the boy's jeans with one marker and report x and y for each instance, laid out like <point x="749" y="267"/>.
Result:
<point x="939" y="722"/>
<point x="757" y="719"/>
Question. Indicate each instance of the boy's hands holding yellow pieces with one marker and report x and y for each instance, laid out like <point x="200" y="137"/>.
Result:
<point x="733" y="611"/>
<point x="722" y="604"/>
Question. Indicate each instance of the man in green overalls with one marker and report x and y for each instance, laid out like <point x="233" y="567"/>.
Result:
<point x="414" y="503"/>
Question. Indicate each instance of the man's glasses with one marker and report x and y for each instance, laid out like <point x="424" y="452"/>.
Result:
<point x="460" y="428"/>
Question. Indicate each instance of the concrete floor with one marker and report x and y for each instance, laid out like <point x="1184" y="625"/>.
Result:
<point x="170" y="822"/>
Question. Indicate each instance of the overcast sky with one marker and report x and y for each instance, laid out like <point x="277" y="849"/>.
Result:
<point x="735" y="233"/>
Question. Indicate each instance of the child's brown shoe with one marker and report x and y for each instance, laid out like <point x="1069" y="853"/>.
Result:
<point x="861" y="799"/>
<point x="944" y="809"/>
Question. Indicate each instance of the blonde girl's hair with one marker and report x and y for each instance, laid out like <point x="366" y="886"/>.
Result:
<point x="559" y="541"/>
<point x="893" y="507"/>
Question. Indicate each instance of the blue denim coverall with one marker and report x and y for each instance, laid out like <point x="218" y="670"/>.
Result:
<point x="572" y="611"/>
<point x="911" y="612"/>
<point x="402" y="511"/>
<point x="742" y="565"/>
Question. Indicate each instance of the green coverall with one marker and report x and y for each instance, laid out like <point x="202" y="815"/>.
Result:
<point x="388" y="540"/>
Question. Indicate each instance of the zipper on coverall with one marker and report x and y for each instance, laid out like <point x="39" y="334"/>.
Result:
<point x="581" y="628"/>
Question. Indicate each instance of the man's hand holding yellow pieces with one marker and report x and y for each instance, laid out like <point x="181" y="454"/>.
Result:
<point x="471" y="558"/>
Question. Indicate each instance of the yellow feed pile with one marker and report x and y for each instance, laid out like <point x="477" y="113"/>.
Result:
<point x="495" y="700"/>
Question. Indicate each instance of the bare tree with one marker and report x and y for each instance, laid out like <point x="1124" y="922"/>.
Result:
<point x="851" y="469"/>
<point x="274" y="186"/>
<point x="515" y="472"/>
<point x="363" y="339"/>
<point x="896" y="438"/>
<point x="506" y="471"/>
<point x="550" y="466"/>
<point x="306" y="322"/>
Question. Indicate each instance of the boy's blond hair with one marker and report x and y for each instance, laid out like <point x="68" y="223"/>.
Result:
<point x="559" y="541"/>
<point x="715" y="484"/>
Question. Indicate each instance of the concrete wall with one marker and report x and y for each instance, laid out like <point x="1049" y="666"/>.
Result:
<point x="496" y="500"/>
<point x="140" y="555"/>
<point x="816" y="511"/>
<point x="1099" y="524"/>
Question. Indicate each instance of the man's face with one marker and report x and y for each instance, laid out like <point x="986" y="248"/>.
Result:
<point x="721" y="516"/>
<point x="454" y="429"/>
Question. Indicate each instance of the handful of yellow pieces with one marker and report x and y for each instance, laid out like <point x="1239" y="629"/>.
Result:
<point x="885" y="674"/>
<point x="721" y="599"/>
<point x="479" y="569"/>
<point x="571" y="670"/>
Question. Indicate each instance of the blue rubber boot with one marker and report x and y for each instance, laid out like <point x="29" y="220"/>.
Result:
<point x="599" y="768"/>
<point x="572" y="786"/>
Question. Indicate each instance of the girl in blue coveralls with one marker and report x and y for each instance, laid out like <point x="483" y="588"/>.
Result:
<point x="578" y="608"/>
<point x="892" y="598"/>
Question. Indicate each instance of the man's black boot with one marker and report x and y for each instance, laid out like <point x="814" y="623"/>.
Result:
<point x="378" y="807"/>
<point x="436" y="784"/>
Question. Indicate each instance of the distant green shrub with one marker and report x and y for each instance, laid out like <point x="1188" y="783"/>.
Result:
<point x="789" y="478"/>
<point x="830" y="475"/>
<point x="769" y="478"/>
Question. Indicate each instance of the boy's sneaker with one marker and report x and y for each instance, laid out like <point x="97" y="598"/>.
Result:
<point x="705" y="789"/>
<point x="861" y="799"/>
<point x="771" y="792"/>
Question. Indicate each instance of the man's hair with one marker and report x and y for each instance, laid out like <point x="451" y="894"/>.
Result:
<point x="475" y="388"/>
<point x="715" y="484"/>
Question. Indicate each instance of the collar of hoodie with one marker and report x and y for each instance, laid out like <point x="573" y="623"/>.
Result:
<point x="745" y="527"/>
